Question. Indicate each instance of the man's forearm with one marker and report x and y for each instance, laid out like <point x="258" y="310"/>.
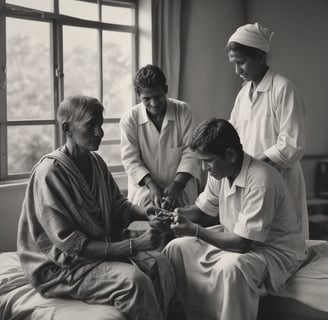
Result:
<point x="192" y="213"/>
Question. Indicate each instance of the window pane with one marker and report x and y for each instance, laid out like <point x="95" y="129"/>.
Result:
<point x="81" y="71"/>
<point x="43" y="5"/>
<point x="79" y="9"/>
<point x="26" y="145"/>
<point x="111" y="154"/>
<point x="111" y="131"/>
<point x="28" y="83"/>
<point x="117" y="73"/>
<point x="117" y="15"/>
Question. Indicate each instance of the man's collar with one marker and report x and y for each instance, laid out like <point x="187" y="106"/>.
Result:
<point x="169" y="115"/>
<point x="240" y="180"/>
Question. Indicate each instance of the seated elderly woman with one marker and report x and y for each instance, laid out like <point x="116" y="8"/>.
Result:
<point x="70" y="238"/>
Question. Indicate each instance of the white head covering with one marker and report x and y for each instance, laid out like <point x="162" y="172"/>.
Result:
<point x="253" y="35"/>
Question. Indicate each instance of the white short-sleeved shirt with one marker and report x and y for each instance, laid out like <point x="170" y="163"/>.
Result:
<point x="257" y="207"/>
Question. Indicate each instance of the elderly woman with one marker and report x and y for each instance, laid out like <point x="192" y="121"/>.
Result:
<point x="269" y="112"/>
<point x="70" y="235"/>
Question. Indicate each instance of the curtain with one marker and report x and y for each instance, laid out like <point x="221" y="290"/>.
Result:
<point x="166" y="41"/>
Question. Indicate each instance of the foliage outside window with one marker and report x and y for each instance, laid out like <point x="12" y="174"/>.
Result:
<point x="53" y="49"/>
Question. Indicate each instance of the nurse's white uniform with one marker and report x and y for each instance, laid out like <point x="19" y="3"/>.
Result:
<point x="160" y="154"/>
<point x="272" y="122"/>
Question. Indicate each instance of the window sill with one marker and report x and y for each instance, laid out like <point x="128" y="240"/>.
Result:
<point x="120" y="178"/>
<point x="13" y="183"/>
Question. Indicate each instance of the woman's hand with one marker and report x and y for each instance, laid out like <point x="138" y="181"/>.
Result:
<point x="152" y="212"/>
<point x="163" y="221"/>
<point x="151" y="239"/>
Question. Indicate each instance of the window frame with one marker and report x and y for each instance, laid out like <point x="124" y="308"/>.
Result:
<point x="56" y="22"/>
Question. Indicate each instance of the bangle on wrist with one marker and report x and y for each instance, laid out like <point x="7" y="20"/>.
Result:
<point x="107" y="249"/>
<point x="132" y="250"/>
<point x="197" y="231"/>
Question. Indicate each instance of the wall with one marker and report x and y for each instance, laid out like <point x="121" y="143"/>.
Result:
<point x="207" y="80"/>
<point x="299" y="51"/>
<point x="11" y="198"/>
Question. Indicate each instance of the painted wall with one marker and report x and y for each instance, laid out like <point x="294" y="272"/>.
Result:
<point x="207" y="80"/>
<point x="299" y="51"/>
<point x="11" y="198"/>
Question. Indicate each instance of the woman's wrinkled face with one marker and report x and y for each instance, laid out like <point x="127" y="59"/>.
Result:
<point x="87" y="132"/>
<point x="248" y="68"/>
<point x="154" y="99"/>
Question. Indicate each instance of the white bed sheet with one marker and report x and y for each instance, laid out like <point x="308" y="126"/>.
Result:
<point x="20" y="301"/>
<point x="310" y="284"/>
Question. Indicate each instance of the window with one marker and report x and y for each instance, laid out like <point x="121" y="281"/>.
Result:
<point x="53" y="49"/>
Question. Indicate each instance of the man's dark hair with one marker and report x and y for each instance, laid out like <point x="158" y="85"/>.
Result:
<point x="245" y="50"/>
<point x="215" y="136"/>
<point x="150" y="76"/>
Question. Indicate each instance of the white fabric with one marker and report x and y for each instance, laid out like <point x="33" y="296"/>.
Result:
<point x="257" y="207"/>
<point x="273" y="123"/>
<point x="146" y="151"/>
<point x="253" y="35"/>
<point x="216" y="284"/>
<point x="20" y="301"/>
<point x="309" y="285"/>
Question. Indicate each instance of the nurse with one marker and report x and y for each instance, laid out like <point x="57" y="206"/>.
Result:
<point x="269" y="112"/>
<point x="154" y="145"/>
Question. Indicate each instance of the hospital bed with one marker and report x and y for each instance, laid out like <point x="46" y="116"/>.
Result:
<point x="305" y="298"/>
<point x="306" y="294"/>
<point x="20" y="301"/>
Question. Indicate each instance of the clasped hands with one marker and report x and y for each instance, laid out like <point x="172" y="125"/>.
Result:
<point x="172" y="221"/>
